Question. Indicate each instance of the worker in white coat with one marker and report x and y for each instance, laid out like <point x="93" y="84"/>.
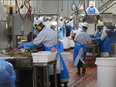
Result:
<point x="61" y="25"/>
<point x="47" y="23"/>
<point x="91" y="9"/>
<point x="81" y="38"/>
<point x="54" y="27"/>
<point x="70" y="23"/>
<point x="48" y="39"/>
<point x="101" y="37"/>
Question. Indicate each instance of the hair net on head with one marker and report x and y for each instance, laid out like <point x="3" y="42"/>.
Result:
<point x="91" y="3"/>
<point x="54" y="23"/>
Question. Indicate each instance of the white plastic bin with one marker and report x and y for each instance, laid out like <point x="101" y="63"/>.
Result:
<point x="72" y="44"/>
<point x="106" y="72"/>
<point x="43" y="56"/>
<point x="66" y="57"/>
<point x="66" y="42"/>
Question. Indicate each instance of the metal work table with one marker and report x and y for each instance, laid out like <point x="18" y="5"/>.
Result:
<point x="45" y="66"/>
<point x="93" y="47"/>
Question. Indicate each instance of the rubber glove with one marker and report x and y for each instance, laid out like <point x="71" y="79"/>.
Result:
<point x="91" y="36"/>
<point x="96" y="13"/>
<point x="98" y="38"/>
<point x="28" y="45"/>
<point x="21" y="47"/>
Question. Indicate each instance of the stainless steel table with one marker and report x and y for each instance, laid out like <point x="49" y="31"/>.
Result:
<point x="45" y="67"/>
<point x="93" y="47"/>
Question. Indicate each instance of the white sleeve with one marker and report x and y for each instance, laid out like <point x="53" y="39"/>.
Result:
<point x="87" y="9"/>
<point x="96" y="32"/>
<point x="89" y="40"/>
<point x="96" y="10"/>
<point x="39" y="39"/>
<point x="104" y="35"/>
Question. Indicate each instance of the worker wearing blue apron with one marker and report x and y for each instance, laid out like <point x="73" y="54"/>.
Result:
<point x="81" y="39"/>
<point x="70" y="24"/>
<point x="91" y="9"/>
<point x="101" y="36"/>
<point x="47" y="38"/>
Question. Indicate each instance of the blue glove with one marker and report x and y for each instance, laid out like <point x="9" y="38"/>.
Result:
<point x="96" y="13"/>
<point x="29" y="45"/>
<point x="91" y="36"/>
<point x="98" y="39"/>
<point x="21" y="47"/>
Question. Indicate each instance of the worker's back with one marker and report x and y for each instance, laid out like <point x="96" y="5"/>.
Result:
<point x="82" y="37"/>
<point x="46" y="37"/>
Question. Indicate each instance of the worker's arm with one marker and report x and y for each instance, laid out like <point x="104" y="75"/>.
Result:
<point x="40" y="38"/>
<point x="87" y="10"/>
<point x="96" y="34"/>
<point x="104" y="35"/>
<point x="96" y="11"/>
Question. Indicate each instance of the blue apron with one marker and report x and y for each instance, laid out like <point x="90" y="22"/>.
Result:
<point x="64" y="73"/>
<point x="76" y="50"/>
<point x="91" y="11"/>
<point x="105" y="44"/>
<point x="63" y="32"/>
<point x="61" y="45"/>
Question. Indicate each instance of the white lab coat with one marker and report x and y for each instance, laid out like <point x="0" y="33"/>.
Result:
<point x="48" y="38"/>
<point x="104" y="34"/>
<point x="70" y="23"/>
<point x="60" y="23"/>
<point x="81" y="38"/>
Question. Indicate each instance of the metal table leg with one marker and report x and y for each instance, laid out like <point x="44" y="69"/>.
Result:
<point x="43" y="77"/>
<point x="34" y="77"/>
<point x="94" y="55"/>
<point x="47" y="73"/>
<point x="55" y="75"/>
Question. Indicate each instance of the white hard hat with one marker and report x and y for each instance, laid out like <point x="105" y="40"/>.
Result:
<point x="91" y="3"/>
<point x="66" y="21"/>
<point x="100" y="23"/>
<point x="85" y="24"/>
<point x="36" y="23"/>
<point x="61" y="18"/>
<point x="54" y="23"/>
<point x="46" y="18"/>
<point x="41" y="18"/>
<point x="71" y="17"/>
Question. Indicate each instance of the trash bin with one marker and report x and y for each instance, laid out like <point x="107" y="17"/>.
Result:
<point x="66" y="42"/>
<point x="66" y="57"/>
<point x="72" y="44"/>
<point x="106" y="72"/>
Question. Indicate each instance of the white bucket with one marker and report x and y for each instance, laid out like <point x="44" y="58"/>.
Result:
<point x="66" y="42"/>
<point x="106" y="72"/>
<point x="72" y="44"/>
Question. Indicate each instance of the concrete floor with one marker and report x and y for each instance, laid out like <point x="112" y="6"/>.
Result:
<point x="89" y="79"/>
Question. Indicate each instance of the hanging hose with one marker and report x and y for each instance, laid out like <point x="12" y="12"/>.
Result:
<point x="28" y="14"/>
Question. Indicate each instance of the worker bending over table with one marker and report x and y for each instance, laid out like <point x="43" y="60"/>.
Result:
<point x="48" y="39"/>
